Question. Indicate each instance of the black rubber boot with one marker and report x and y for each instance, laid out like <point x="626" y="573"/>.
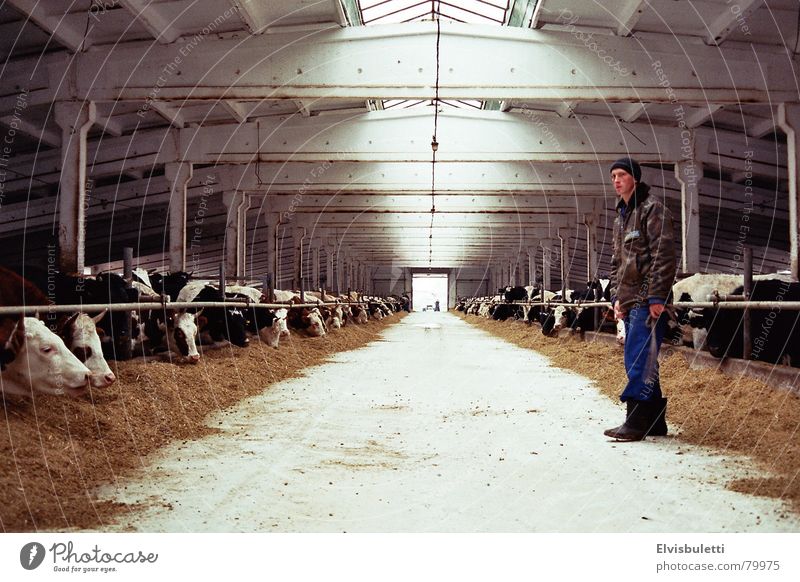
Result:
<point x="636" y="424"/>
<point x="658" y="423"/>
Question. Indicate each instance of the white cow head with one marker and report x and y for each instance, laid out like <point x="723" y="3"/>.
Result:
<point x="561" y="319"/>
<point x="316" y="327"/>
<point x="271" y="334"/>
<point x="281" y="315"/>
<point x="621" y="332"/>
<point x="80" y="336"/>
<point x="183" y="331"/>
<point x="360" y="314"/>
<point x="43" y="364"/>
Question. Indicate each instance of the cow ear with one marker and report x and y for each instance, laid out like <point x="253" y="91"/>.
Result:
<point x="201" y="321"/>
<point x="100" y="332"/>
<point x="96" y="319"/>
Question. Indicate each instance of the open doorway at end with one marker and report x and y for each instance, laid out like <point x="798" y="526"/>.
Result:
<point x="429" y="292"/>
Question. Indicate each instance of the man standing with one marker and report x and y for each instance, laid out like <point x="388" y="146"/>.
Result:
<point x="642" y="272"/>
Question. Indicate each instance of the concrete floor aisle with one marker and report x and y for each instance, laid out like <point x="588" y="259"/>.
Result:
<point x="436" y="427"/>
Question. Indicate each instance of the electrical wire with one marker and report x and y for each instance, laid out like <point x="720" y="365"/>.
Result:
<point x="434" y="142"/>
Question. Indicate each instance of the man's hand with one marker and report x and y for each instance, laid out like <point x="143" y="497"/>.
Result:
<point x="656" y="309"/>
<point x="618" y="313"/>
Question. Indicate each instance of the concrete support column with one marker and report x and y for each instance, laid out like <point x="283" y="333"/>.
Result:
<point x="315" y="283"/>
<point x="688" y="173"/>
<point x="74" y="118"/>
<point x="300" y="237"/>
<point x="345" y="269"/>
<point x="563" y="236"/>
<point x="592" y="257"/>
<point x="178" y="175"/>
<point x="270" y="225"/>
<point x="233" y="243"/>
<point x="532" y="280"/>
<point x="789" y="121"/>
<point x="547" y="261"/>
<point x="452" y="289"/>
<point x="512" y="272"/>
<point x="330" y="284"/>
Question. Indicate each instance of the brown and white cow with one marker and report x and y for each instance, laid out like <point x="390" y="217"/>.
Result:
<point x="80" y="336"/>
<point x="308" y="320"/>
<point x="41" y="363"/>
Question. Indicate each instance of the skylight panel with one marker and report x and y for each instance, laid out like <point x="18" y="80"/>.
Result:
<point x="396" y="11"/>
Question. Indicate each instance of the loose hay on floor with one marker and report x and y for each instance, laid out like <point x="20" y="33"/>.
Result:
<point x="735" y="415"/>
<point x="54" y="451"/>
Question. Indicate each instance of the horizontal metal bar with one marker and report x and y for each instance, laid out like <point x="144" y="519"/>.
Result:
<point x="34" y="309"/>
<point x="783" y="305"/>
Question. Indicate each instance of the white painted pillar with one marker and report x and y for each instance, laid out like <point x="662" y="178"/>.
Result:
<point x="563" y="235"/>
<point x="512" y="272"/>
<point x="299" y="247"/>
<point x="547" y="261"/>
<point x="75" y="118"/>
<point x="592" y="257"/>
<point x="688" y="173"/>
<point x="315" y="284"/>
<point x="452" y="289"/>
<point x="270" y="225"/>
<point x="242" y="239"/>
<point x="233" y="242"/>
<point x="532" y="265"/>
<point x="346" y="281"/>
<point x="789" y="121"/>
<point x="178" y="175"/>
<point x="330" y="284"/>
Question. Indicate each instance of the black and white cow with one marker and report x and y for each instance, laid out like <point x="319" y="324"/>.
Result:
<point x="774" y="333"/>
<point x="219" y="323"/>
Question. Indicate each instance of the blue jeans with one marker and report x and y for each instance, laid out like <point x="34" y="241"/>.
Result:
<point x="643" y="381"/>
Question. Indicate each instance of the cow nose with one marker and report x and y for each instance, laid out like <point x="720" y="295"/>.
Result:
<point x="194" y="359"/>
<point x="110" y="378"/>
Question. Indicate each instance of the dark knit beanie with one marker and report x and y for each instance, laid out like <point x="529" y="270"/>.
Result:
<point x="629" y="165"/>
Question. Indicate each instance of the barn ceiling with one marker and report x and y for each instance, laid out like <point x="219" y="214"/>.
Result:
<point x="324" y="110"/>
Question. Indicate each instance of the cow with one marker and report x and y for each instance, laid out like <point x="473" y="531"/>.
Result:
<point x="519" y="293"/>
<point x="269" y="325"/>
<point x="105" y="289"/>
<point x="14" y="291"/>
<point x="308" y="320"/>
<point x="78" y="331"/>
<point x="580" y="318"/>
<point x="503" y="311"/>
<point x="170" y="284"/>
<point x="336" y="317"/>
<point x="775" y="333"/>
<point x="555" y="318"/>
<point x="79" y="334"/>
<point x="266" y="324"/>
<point x="41" y="363"/>
<point x="697" y="288"/>
<point x="218" y="323"/>
<point x="360" y="314"/>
